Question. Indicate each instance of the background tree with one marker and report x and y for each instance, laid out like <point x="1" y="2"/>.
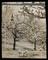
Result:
<point x="35" y="27"/>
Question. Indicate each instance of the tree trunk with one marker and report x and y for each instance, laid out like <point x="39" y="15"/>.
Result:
<point x="35" y="45"/>
<point x="14" y="44"/>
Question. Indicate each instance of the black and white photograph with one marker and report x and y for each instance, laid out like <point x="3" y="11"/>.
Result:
<point x="23" y="30"/>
